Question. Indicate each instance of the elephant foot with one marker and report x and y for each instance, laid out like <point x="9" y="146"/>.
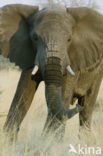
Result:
<point x="11" y="138"/>
<point x="85" y="121"/>
<point x="86" y="126"/>
<point x="10" y="135"/>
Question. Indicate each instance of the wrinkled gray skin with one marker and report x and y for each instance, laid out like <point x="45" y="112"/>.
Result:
<point x="52" y="60"/>
<point x="52" y="34"/>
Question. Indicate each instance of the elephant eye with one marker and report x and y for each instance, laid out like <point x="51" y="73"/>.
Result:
<point x="69" y="40"/>
<point x="35" y="37"/>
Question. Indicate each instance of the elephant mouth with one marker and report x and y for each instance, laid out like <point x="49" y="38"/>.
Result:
<point x="53" y="89"/>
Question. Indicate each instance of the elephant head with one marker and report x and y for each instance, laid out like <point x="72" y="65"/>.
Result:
<point x="50" y="33"/>
<point x="52" y="41"/>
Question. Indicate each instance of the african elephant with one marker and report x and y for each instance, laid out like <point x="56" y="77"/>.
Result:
<point x="62" y="47"/>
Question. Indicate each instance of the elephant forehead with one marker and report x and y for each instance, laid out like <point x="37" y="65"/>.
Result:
<point x="52" y="28"/>
<point x="53" y="16"/>
<point x="50" y="21"/>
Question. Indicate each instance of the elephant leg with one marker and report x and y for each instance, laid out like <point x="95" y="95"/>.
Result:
<point x="88" y="101"/>
<point x="21" y="102"/>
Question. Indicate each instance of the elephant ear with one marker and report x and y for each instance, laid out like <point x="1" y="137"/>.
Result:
<point x="86" y="48"/>
<point x="15" y="42"/>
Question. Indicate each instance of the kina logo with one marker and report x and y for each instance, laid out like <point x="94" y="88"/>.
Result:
<point x="83" y="150"/>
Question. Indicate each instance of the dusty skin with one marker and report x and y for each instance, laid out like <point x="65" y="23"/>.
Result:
<point x="29" y="141"/>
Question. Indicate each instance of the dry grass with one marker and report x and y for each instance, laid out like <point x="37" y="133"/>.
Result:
<point x="29" y="141"/>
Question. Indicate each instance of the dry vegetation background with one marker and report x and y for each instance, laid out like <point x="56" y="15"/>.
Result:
<point x="29" y="141"/>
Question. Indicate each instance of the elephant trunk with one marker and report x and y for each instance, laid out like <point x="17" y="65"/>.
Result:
<point x="52" y="72"/>
<point x="53" y="82"/>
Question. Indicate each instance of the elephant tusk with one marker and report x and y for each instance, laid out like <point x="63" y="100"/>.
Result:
<point x="35" y="69"/>
<point x="69" y="69"/>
